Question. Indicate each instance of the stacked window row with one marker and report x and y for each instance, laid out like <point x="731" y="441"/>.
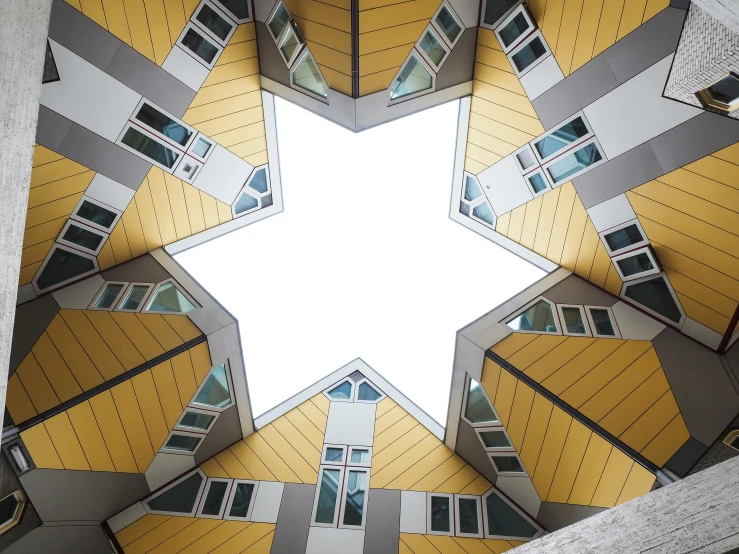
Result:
<point x="543" y="316"/>
<point x="166" y="297"/>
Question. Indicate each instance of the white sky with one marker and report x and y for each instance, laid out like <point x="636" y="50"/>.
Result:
<point x="363" y="262"/>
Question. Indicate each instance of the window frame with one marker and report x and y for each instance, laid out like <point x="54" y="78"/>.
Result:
<point x="206" y="36"/>
<point x="422" y="61"/>
<point x="508" y="454"/>
<point x="730" y="437"/>
<point x="547" y="182"/>
<point x="19" y="509"/>
<point x="302" y="55"/>
<point x="336" y="384"/>
<point x="201" y="504"/>
<point x="571" y="146"/>
<point x="173" y="144"/>
<point x="212" y="5"/>
<point x="291" y="27"/>
<point x="355" y="394"/>
<point x="495" y="25"/>
<point x="127" y="291"/>
<point x="118" y="213"/>
<point x="515" y="508"/>
<point x="444" y="44"/>
<point x="239" y="20"/>
<point x="593" y="328"/>
<point x="232" y="496"/>
<point x="166" y="450"/>
<point x="54" y="247"/>
<point x="102" y="291"/>
<point x="583" y="316"/>
<point x="339" y="494"/>
<point x="452" y="516"/>
<point x="458" y="531"/>
<point x="464" y="405"/>
<point x="496" y="428"/>
<point x="521" y="310"/>
<point x="174" y="483"/>
<point x="658" y="315"/>
<point x="156" y="287"/>
<point x="179" y="427"/>
<point x="705" y="98"/>
<point x="61" y="240"/>
<point x="656" y="266"/>
<point x="521" y="45"/>
<point x="441" y="33"/>
<point x="474" y="201"/>
<point x="643" y="242"/>
<point x="195" y="139"/>
<point x="272" y="15"/>
<point x="572" y="151"/>
<point x="520" y="9"/>
<point x="526" y="170"/>
<point x="331" y="463"/>
<point x="259" y="196"/>
<point x="179" y="170"/>
<point x="227" y="367"/>
<point x="482" y="221"/>
<point x="130" y="124"/>
<point x="344" y="494"/>
<point x="349" y="462"/>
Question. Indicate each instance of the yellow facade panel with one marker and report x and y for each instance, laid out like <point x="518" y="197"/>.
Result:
<point x="520" y="411"/>
<point x="504" y="399"/>
<point x="418" y="471"/>
<point x="330" y="37"/>
<point x="38" y="443"/>
<point x="630" y="409"/>
<point x="116" y="20"/>
<point x="46" y="232"/>
<point x="580" y="365"/>
<point x="161" y="331"/>
<point x="62" y="188"/>
<point x="42" y="156"/>
<point x="552" y="22"/>
<point x="376" y="82"/>
<point x="389" y="419"/>
<point x="271" y="459"/>
<point x="513" y="343"/>
<point x="251" y="462"/>
<point x="568" y="34"/>
<point x="477" y="487"/>
<point x="667" y="442"/>
<point x="52" y="210"/>
<point x="470" y="165"/>
<point x="63" y="382"/>
<point x="586" y="255"/>
<point x="610" y="18"/>
<point x="286" y="451"/>
<point x="158" y="535"/>
<point x="133" y="424"/>
<point x="55" y="171"/>
<point x="114" y="336"/>
<point x="139" y="528"/>
<point x="231" y="465"/>
<point x="546" y="221"/>
<point x="144" y="341"/>
<point x="530" y="223"/>
<point x="106" y="415"/>
<point x="612" y="480"/>
<point x="198" y="529"/>
<point x="499" y="78"/>
<point x="307" y="450"/>
<point x="228" y="89"/>
<point x="601" y="265"/>
<point x="541" y="411"/>
<point x="575" y="233"/>
<point x="591" y="471"/>
<point x="66" y="443"/>
<point x="393" y="433"/>
<point x="235" y="70"/>
<point x="147" y="216"/>
<point x="483" y="109"/>
<point x="439" y="474"/>
<point x="139" y="28"/>
<point x="27" y="273"/>
<point x="695" y="290"/>
<point x="396" y="14"/>
<point x="517" y="218"/>
<point x="314" y="415"/>
<point x="551" y="450"/>
<point x="491" y="143"/>
<point x="391" y="453"/>
<point x="569" y="463"/>
<point x="212" y="468"/>
<point x="408" y="460"/>
<point x="490" y="377"/>
<point x="631" y="17"/>
<point x="648" y="426"/>
<point x="384" y="406"/>
<point x="151" y="408"/>
<point x="543" y="347"/>
<point x="106" y="258"/>
<point x="503" y="97"/>
<point x="561" y="224"/>
<point x="167" y="393"/>
<point x="184" y="376"/>
<point x="36" y="384"/>
<point x="119" y="243"/>
<point x="639" y="482"/>
<point x="703" y="314"/>
<point x="187" y="331"/>
<point x="18" y="402"/>
<point x="589" y="19"/>
<point x="90" y="438"/>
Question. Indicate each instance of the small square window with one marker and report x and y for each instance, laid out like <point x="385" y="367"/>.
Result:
<point x="182" y="443"/>
<point x="95" y="214"/>
<point x="514" y="28"/>
<point x="197" y="421"/>
<point x="359" y="456"/>
<point x="494" y="439"/>
<point x="528" y="54"/>
<point x="627" y="235"/>
<point x="538" y="183"/>
<point x="507" y="464"/>
<point x="573" y="320"/>
<point x="448" y="24"/>
<point x="133" y="298"/>
<point x="334" y="454"/>
<point x="108" y="296"/>
<point x="433" y="49"/>
<point x="636" y="264"/>
<point x="278" y="21"/>
<point x="601" y="321"/>
<point x="722" y="95"/>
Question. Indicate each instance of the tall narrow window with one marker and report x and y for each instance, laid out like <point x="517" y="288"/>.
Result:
<point x="468" y="516"/>
<point x="134" y="297"/>
<point x="326" y="505"/>
<point x="573" y="320"/>
<point x="439" y="514"/>
<point x="240" y="502"/>
<point x="602" y="323"/>
<point x="504" y="522"/>
<point x="169" y="299"/>
<point x="654" y="294"/>
<point x="538" y="318"/>
<point x="214" y="500"/>
<point x="478" y="409"/>
<point x="180" y="497"/>
<point x="279" y="20"/>
<point x="147" y="146"/>
<point x="573" y="164"/>
<point x="355" y="498"/>
<point x="307" y="76"/>
<point x="412" y="79"/>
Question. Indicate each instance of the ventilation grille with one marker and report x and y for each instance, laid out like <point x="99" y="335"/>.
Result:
<point x="526" y="159"/>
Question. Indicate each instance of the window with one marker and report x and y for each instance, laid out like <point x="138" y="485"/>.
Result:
<point x="494" y="438"/>
<point x="447" y="22"/>
<point x="334" y="454"/>
<point x="11" y="510"/>
<point x="255" y="194"/>
<point x="278" y="21"/>
<point x="246" y="203"/>
<point x="507" y="464"/>
<point x="484" y="213"/>
<point x="290" y="44"/>
<point x="326" y="505"/>
<point x="307" y="77"/>
<point x="468" y="516"/>
<point x="472" y="189"/>
<point x="108" y="296"/>
<point x="162" y="124"/>
<point x="528" y="54"/>
<point x="179" y="498"/>
<point x="96" y="214"/>
<point x="432" y="48"/>
<point x="367" y="393"/>
<point x="145" y="144"/>
<point x="571" y="165"/>
<point x="495" y="11"/>
<point x="215" y="392"/>
<point x="505" y="521"/>
<point x="537" y="318"/>
<point x="601" y="321"/>
<point x="573" y="320"/>
<point x="656" y="296"/>
<point x="562" y="137"/>
<point x="201" y="148"/>
<point x="134" y="297"/>
<point x="63" y="265"/>
<point x="626" y="235"/>
<point x="239" y="9"/>
<point x="439" y="514"/>
<point x="538" y="183"/>
<point x="478" y="409"/>
<point x="638" y="263"/>
<point x="82" y="237"/>
<point x="195" y="420"/>
<point x="732" y="439"/>
<point x="413" y="79"/>
<point x="354" y="508"/>
<point x="169" y="299"/>
<point x="240" y="505"/>
<point x="514" y="28"/>
<point x="182" y="443"/>
<point x="199" y="47"/>
<point x="214" y="21"/>
<point x="723" y="95"/>
<point x="213" y="503"/>
<point x="341" y="498"/>
<point x="342" y="391"/>
<point x="359" y="456"/>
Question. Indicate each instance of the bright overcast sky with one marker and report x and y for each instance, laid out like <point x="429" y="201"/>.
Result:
<point x="363" y="262"/>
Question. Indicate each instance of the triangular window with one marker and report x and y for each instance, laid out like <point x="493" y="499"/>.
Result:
<point x="367" y="393"/>
<point x="343" y="391"/>
<point x="307" y="76"/>
<point x="180" y="498"/>
<point x="215" y="391"/>
<point x="64" y="265"/>
<point x="538" y="318"/>
<point x="245" y="203"/>
<point x="412" y="79"/>
<point x="478" y="409"/>
<point x="168" y="298"/>
<point x="503" y="521"/>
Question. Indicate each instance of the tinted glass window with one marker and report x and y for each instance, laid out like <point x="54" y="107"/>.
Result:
<point x="356" y="489"/>
<point x="602" y="322"/>
<point x="623" y="237"/>
<point x="496" y="9"/>
<point x="279" y="20"/>
<point x="239" y="8"/>
<point x="471" y="189"/>
<point x="82" y="237"/>
<point x="513" y="29"/>
<point x="334" y="454"/>
<point x="109" y="295"/>
<point x="195" y="42"/>
<point x="290" y="45"/>
<point x="483" y="211"/>
<point x="539" y="317"/>
<point x="150" y="148"/>
<point x="96" y="214"/>
<point x="413" y="78"/>
<point x="214" y="22"/>
<point x="242" y="499"/>
<point x="440" y="514"/>
<point x="433" y="48"/>
<point x="538" y="183"/>
<point x="528" y="54"/>
<point x="505" y="521"/>
<point x="574" y="163"/>
<point x="245" y="203"/>
<point x="161" y="123"/>
<point x="327" y="496"/>
<point x="495" y="439"/>
<point x="573" y="320"/>
<point x="168" y="298"/>
<point x="446" y="22"/>
<point x="726" y="90"/>
<point x="468" y="522"/>
<point x="359" y="456"/>
<point x="215" y="391"/>
<point x="633" y="265"/>
<point x="655" y="295"/>
<point x="507" y="463"/>
<point x="135" y="296"/>
<point x="180" y="498"/>
<point x="308" y="77"/>
<point x="366" y="392"/>
<point x="259" y="181"/>
<point x="214" y="498"/>
<point x="478" y="409"/>
<point x="562" y="137"/>
<point x="8" y="507"/>
<point x="185" y="443"/>
<point x="62" y="266"/>
<point x="196" y="420"/>
<point x="342" y="391"/>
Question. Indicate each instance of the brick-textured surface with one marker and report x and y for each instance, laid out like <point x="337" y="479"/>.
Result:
<point x="707" y="51"/>
<point x="723" y="10"/>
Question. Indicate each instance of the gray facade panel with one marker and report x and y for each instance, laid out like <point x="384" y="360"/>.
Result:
<point x="80" y="34"/>
<point x="682" y="4"/>
<point x="629" y="170"/>
<point x="102" y="156"/>
<point x="574" y="290"/>
<point x="31" y="320"/>
<point x="144" y="269"/>
<point x="71" y="539"/>
<point x="555" y="516"/>
<point x="460" y="65"/>
<point x="52" y="128"/>
<point x="382" y="533"/>
<point x="470" y="449"/>
<point x="63" y="495"/>
<point x="686" y="457"/>
<point x="151" y="81"/>
<point x="225" y="432"/>
<point x="731" y="358"/>
<point x="271" y="64"/>
<point x="698" y="379"/>
<point x="719" y="451"/>
<point x="293" y="520"/>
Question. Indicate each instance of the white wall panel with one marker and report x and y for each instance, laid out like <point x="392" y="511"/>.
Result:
<point x="223" y="175"/>
<point x="267" y="502"/>
<point x="612" y="212"/>
<point x="87" y="95"/>
<point x="412" y="512"/>
<point x="128" y="516"/>
<point x="467" y="10"/>
<point x="185" y="68"/>
<point x="110" y="192"/>
<point x="543" y="77"/>
<point x="327" y="540"/>
<point x="351" y="423"/>
<point x="79" y="295"/>
<point x="504" y="186"/>
<point x="165" y="467"/>
<point x="635" y="325"/>
<point x="522" y="492"/>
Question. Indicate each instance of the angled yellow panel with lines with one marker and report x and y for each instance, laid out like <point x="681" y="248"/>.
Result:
<point x="618" y="384"/>
<point x="287" y="449"/>
<point x="188" y="535"/>
<point x="436" y="544"/>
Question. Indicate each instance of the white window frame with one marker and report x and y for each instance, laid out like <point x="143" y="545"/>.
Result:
<point x="441" y="33"/>
<point x="521" y="45"/>
<point x="305" y="53"/>
<point x="92" y="224"/>
<point x="345" y="492"/>
<point x="343" y="458"/>
<point x="521" y="310"/>
<point x="495" y="25"/>
<point x="332" y="387"/>
<point x="452" y="516"/>
<point x="508" y="454"/>
<point x="239" y="20"/>
<point x="194" y="141"/>
<point x="258" y="196"/>
<point x="180" y="147"/>
<point x="251" y="193"/>
<point x="547" y="183"/>
<point x="593" y="327"/>
<point x="526" y="170"/>
<point x="520" y="9"/>
<point x="459" y="533"/>
<point x="144" y="131"/>
<point x="443" y="43"/>
<point x="628" y="248"/>
<point x="656" y="267"/>
<point x="157" y="286"/>
<point x="196" y="505"/>
<point x="464" y="406"/>
<point x="423" y="62"/>
<point x="482" y="221"/>
<point x="292" y="27"/>
<point x="205" y="36"/>
<point x="658" y="315"/>
<point x="164" y="448"/>
<point x="76" y="223"/>
<point x="205" y="379"/>
<point x="567" y="148"/>
<point x="123" y="297"/>
<point x="339" y="495"/>
<point x="562" y="155"/>
<point x="581" y="309"/>
<point x="516" y="509"/>
<point x="20" y="498"/>
<point x="179" y="169"/>
<point x="57" y="246"/>
<point x="271" y="16"/>
<point x="496" y="428"/>
<point x="474" y="201"/>
<point x="203" y="496"/>
<point x="193" y="19"/>
<point x="103" y="289"/>
<point x="355" y="394"/>
<point x="232" y="496"/>
<point x="349" y="462"/>
<point x="179" y="427"/>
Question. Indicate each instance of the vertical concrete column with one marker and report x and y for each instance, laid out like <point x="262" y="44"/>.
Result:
<point x="726" y="11"/>
<point x="23" y="29"/>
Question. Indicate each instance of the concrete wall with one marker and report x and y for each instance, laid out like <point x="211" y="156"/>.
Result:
<point x="727" y="11"/>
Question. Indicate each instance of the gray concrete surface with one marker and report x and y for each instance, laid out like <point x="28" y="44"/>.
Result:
<point x="726" y="11"/>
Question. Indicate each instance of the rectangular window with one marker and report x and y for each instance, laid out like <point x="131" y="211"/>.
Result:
<point x="241" y="500"/>
<point x="82" y="237"/>
<point x="538" y="183"/>
<point x="96" y="214"/>
<point x="468" y="516"/>
<point x="239" y="9"/>
<point x="354" y="507"/>
<point x="602" y="323"/>
<point x="507" y="464"/>
<point x="562" y="137"/>
<point x="569" y="166"/>
<point x="106" y="299"/>
<point x="528" y="54"/>
<point x="182" y="443"/>
<point x="143" y="143"/>
<point x="163" y="124"/>
<point x="214" y="500"/>
<point x="359" y="456"/>
<point x="514" y="28"/>
<point x="636" y="264"/>
<point x="63" y="265"/>
<point x="627" y="235"/>
<point x="214" y="21"/>
<point x="278" y="21"/>
<point x="495" y="11"/>
<point x="439" y="514"/>
<point x="494" y="438"/>
<point x="334" y="454"/>
<point x="134" y="297"/>
<point x="432" y="48"/>
<point x="291" y="44"/>
<point x="194" y="42"/>
<point x="197" y="421"/>
<point x="447" y="22"/>
<point x="573" y="320"/>
<point x="326" y="505"/>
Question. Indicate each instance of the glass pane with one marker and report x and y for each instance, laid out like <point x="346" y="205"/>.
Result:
<point x="528" y="54"/>
<point x="573" y="320"/>
<point x="471" y="189"/>
<point x="507" y="463"/>
<point x="334" y="454"/>
<point x="109" y="295"/>
<point x="214" y="498"/>
<point x="483" y="211"/>
<point x="478" y="408"/>
<point x="366" y="392"/>
<point x="569" y="165"/>
<point x="433" y="48"/>
<point x="495" y="9"/>
<point x="446" y="22"/>
<point x="360" y="456"/>
<point x="289" y="45"/>
<point x="279" y="20"/>
<point x="602" y="322"/>
<point x="413" y="78"/>
<point x="356" y="489"/>
<point x="341" y="392"/>
<point x="200" y="45"/>
<point x="214" y="22"/>
<point x="174" y="130"/>
<point x="180" y="498"/>
<point x="245" y="203"/>
<point x="726" y="90"/>
<point x="259" y="181"/>
<point x="514" y="29"/>
<point x="623" y="237"/>
<point x="201" y="147"/>
<point x="440" y="515"/>
<point x="655" y="295"/>
<point x="196" y="420"/>
<point x="168" y="298"/>
<point x="562" y="137"/>
<point x="539" y="317"/>
<point x="135" y="296"/>
<point x="327" y="496"/>
<point x="8" y="506"/>
<point x="239" y="8"/>
<point x="537" y="182"/>
<point x="495" y="439"/>
<point x="468" y="522"/>
<point x="183" y="443"/>
<point x="308" y="77"/>
<point x="62" y="266"/>
<point x="242" y="499"/>
<point x="632" y="265"/>
<point x="215" y="391"/>
<point x="505" y="521"/>
<point x="735" y="442"/>
<point x="149" y="147"/>
<point x="82" y="237"/>
<point x="96" y="214"/>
